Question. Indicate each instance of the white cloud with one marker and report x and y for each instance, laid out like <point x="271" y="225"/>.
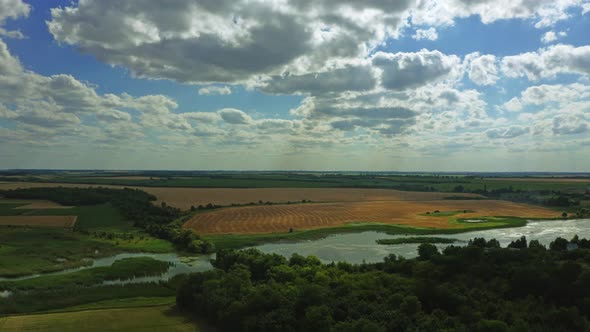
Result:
<point x="229" y="41"/>
<point x="548" y="62"/>
<point x="557" y="93"/>
<point x="354" y="97"/>
<point x="569" y="124"/>
<point x="544" y="12"/>
<point x="410" y="70"/>
<point x="234" y="116"/>
<point x="347" y="78"/>
<point x="482" y="69"/>
<point x="245" y="41"/>
<point x="428" y="34"/>
<point x="551" y="36"/>
<point x="215" y="90"/>
<point x="513" y="105"/>
<point x="12" y="9"/>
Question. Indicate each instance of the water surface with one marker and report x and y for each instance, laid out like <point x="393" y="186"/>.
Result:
<point x="351" y="247"/>
<point x="359" y="247"/>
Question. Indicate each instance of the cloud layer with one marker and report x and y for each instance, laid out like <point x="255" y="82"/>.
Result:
<point x="357" y="92"/>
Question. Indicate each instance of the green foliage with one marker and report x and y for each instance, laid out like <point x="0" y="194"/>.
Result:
<point x="123" y="269"/>
<point x="472" y="288"/>
<point x="426" y="251"/>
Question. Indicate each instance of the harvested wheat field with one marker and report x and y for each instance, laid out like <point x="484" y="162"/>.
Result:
<point x="184" y="198"/>
<point x="280" y="218"/>
<point x="39" y="221"/>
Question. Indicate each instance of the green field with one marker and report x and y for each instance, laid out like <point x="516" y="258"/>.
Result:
<point x="93" y="217"/>
<point x="155" y="318"/>
<point x="27" y="250"/>
<point x="100" y="231"/>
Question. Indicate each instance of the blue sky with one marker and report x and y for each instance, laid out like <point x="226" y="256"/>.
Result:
<point x="428" y="85"/>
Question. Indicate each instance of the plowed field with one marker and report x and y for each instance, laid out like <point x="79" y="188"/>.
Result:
<point x="280" y="218"/>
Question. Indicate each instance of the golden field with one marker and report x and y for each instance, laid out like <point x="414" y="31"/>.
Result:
<point x="280" y="218"/>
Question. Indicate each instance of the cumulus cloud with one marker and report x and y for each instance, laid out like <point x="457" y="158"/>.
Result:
<point x="551" y="36"/>
<point x="229" y="41"/>
<point x="12" y="9"/>
<point x="58" y="106"/>
<point x="428" y="34"/>
<point x="544" y="12"/>
<point x="558" y="93"/>
<point x="239" y="41"/>
<point x="327" y="51"/>
<point x="215" y="90"/>
<point x="348" y="78"/>
<point x="569" y="124"/>
<point x="410" y="70"/>
<point x="513" y="105"/>
<point x="234" y="116"/>
<point x="482" y="69"/>
<point x="548" y="62"/>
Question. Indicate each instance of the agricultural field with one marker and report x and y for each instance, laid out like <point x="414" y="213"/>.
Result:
<point x="39" y="221"/>
<point x="283" y="218"/>
<point x="103" y="217"/>
<point x="184" y="198"/>
<point x="416" y="182"/>
<point x="155" y="318"/>
<point x="41" y="244"/>
<point x="35" y="204"/>
<point x="543" y="179"/>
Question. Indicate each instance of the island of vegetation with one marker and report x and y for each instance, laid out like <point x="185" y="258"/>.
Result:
<point x="413" y="239"/>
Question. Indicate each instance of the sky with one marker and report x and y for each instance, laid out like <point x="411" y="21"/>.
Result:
<point x="379" y="85"/>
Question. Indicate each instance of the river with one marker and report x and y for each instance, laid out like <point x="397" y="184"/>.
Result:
<point x="352" y="247"/>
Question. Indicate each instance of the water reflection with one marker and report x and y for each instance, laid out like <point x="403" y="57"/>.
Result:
<point x="353" y="248"/>
<point x="179" y="265"/>
<point x="359" y="247"/>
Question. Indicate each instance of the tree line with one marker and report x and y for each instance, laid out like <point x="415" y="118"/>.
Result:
<point x="479" y="287"/>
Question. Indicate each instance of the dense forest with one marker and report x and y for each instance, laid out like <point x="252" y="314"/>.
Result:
<point x="479" y="287"/>
<point x="135" y="205"/>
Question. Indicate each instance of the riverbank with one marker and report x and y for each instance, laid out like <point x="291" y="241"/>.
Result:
<point x="237" y="241"/>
